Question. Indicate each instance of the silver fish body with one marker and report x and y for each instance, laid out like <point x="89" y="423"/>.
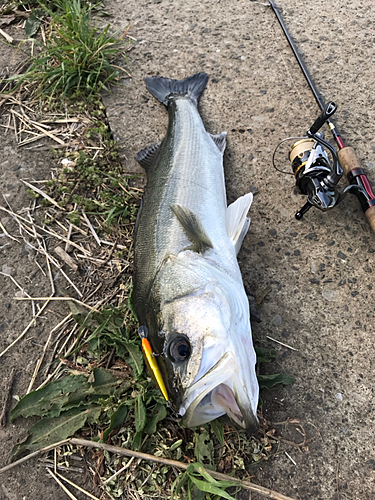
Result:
<point x="188" y="288"/>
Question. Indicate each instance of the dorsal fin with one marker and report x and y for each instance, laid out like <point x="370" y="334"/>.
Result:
<point x="193" y="228"/>
<point x="220" y="140"/>
<point x="236" y="220"/>
<point x="146" y="157"/>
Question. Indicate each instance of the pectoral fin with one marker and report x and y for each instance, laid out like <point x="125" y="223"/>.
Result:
<point x="193" y="228"/>
<point x="236" y="220"/>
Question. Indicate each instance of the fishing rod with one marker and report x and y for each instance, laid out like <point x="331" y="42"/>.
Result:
<point x="313" y="172"/>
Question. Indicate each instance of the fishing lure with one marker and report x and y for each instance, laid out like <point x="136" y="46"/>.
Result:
<point x="151" y="361"/>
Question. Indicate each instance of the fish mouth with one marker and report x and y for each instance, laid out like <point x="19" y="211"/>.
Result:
<point x="218" y="393"/>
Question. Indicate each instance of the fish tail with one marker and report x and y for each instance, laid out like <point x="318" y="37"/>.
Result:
<point x="165" y="88"/>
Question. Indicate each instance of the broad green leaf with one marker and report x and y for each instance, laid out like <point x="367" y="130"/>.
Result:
<point x="264" y="356"/>
<point x="83" y="396"/>
<point x="204" y="448"/>
<point x="52" y="430"/>
<point x="178" y="483"/>
<point x="176" y="444"/>
<point x="210" y="488"/>
<point x="82" y="317"/>
<point x="104" y="381"/>
<point x="218" y="430"/>
<point x="33" y="23"/>
<point x="50" y="399"/>
<point x="103" y="385"/>
<point x="198" y="468"/>
<point x="136" y="356"/>
<point x="117" y="419"/>
<point x="140" y="414"/>
<point x="158" y="414"/>
<point x="268" y="381"/>
<point x="137" y="440"/>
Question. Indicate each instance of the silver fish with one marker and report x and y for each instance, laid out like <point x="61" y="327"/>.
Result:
<point x="188" y="290"/>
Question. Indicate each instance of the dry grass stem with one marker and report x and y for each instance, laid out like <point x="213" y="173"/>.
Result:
<point x="27" y="328"/>
<point x="7" y="234"/>
<point x="42" y="193"/>
<point x="27" y="122"/>
<point x="290" y="458"/>
<point x="77" y="487"/>
<point x="67" y="244"/>
<point x="33" y="454"/>
<point x="91" y="228"/>
<point x="17" y="285"/>
<point x="68" y="337"/>
<point x="33" y="228"/>
<point x="51" y="233"/>
<point x="70" y="495"/>
<point x="58" y="266"/>
<point x="67" y="318"/>
<point x="110" y="243"/>
<point x="7" y="400"/>
<point x="7" y="37"/>
<point x="49" y="268"/>
<point x="281" y="343"/>
<point x="119" y="471"/>
<point x="39" y="364"/>
<point x="56" y="298"/>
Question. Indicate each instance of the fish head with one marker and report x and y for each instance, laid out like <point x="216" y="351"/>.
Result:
<point x="209" y="359"/>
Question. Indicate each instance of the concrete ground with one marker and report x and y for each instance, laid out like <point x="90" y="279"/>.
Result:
<point x="320" y="269"/>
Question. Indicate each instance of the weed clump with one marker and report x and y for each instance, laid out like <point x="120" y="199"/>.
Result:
<point x="77" y="58"/>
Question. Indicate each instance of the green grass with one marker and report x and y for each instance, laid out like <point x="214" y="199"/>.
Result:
<point x="77" y="58"/>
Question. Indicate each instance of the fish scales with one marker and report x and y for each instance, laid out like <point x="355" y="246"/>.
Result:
<point x="188" y="290"/>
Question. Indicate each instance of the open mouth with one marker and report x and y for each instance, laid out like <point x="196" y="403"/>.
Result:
<point x="213" y="395"/>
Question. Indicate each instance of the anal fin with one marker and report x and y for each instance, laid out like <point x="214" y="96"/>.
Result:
<point x="236" y="220"/>
<point x="220" y="140"/>
<point x="146" y="157"/>
<point x="193" y="228"/>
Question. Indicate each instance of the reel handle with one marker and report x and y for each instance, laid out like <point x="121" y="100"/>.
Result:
<point x="324" y="116"/>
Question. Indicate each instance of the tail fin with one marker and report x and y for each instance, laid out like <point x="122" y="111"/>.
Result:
<point x="163" y="88"/>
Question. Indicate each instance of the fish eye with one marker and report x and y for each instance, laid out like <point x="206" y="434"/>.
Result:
<point x="179" y="349"/>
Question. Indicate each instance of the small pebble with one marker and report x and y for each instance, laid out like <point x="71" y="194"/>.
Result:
<point x="277" y="320"/>
<point x="331" y="295"/>
<point x="311" y="236"/>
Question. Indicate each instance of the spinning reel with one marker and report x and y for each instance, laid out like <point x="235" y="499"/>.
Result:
<point x="314" y="174"/>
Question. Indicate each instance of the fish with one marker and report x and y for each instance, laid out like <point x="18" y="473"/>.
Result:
<point x="188" y="291"/>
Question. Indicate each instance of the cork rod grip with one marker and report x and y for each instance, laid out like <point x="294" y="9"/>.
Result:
<point x="349" y="161"/>
<point x="370" y="214"/>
